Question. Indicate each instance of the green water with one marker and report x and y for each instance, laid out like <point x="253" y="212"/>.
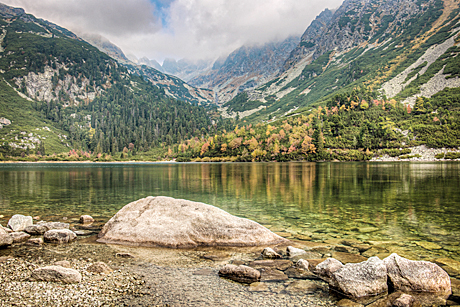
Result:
<point x="404" y="203"/>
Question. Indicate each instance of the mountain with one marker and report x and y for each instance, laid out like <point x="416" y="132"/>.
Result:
<point x="58" y="92"/>
<point x="245" y="68"/>
<point x="402" y="48"/>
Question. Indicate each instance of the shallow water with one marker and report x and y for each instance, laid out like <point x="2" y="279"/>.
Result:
<point x="413" y="206"/>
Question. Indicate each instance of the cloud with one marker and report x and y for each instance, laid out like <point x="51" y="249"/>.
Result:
<point x="195" y="29"/>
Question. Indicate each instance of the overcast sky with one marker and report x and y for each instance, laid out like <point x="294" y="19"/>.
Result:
<point x="195" y="29"/>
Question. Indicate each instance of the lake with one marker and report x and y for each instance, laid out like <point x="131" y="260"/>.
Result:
<point x="413" y="207"/>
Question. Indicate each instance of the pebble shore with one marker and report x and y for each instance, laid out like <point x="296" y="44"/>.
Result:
<point x="426" y="155"/>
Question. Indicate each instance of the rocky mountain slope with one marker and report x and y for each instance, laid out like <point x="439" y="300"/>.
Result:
<point x="404" y="48"/>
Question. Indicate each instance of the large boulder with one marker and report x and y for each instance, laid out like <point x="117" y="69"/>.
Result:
<point x="169" y="222"/>
<point x="418" y="276"/>
<point x="19" y="222"/>
<point x="361" y="279"/>
<point x="5" y="238"/>
<point x="55" y="273"/>
<point x="240" y="273"/>
<point x="59" y="236"/>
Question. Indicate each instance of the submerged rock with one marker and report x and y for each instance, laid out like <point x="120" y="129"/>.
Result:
<point x="55" y="273"/>
<point x="240" y="273"/>
<point x="418" y="276"/>
<point x="41" y="228"/>
<point x="361" y="279"/>
<point x="59" y="236"/>
<point x="281" y="265"/>
<point x="19" y="222"/>
<point x="169" y="222"/>
<point x="269" y="253"/>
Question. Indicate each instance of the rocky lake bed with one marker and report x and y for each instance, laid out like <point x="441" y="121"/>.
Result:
<point x="305" y="271"/>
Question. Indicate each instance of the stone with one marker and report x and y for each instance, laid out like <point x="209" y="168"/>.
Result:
<point x="35" y="241"/>
<point x="268" y="275"/>
<point x="86" y="219"/>
<point x="169" y="222"/>
<point x="63" y="263"/>
<point x="350" y="242"/>
<point x="55" y="273"/>
<point x="100" y="268"/>
<point x="7" y="229"/>
<point x="5" y="238"/>
<point x="41" y="228"/>
<point x="124" y="255"/>
<point x="293" y="252"/>
<point x="258" y="287"/>
<point x="346" y="249"/>
<point x="348" y="303"/>
<point x="374" y="251"/>
<point x="327" y="267"/>
<point x="417" y="276"/>
<point x="362" y="247"/>
<point x="302" y="286"/>
<point x="281" y="265"/>
<point x="405" y="300"/>
<point x="240" y="273"/>
<point x="83" y="232"/>
<point x="303" y="265"/>
<point x="59" y="236"/>
<point x="269" y="253"/>
<point x="363" y="279"/>
<point x="300" y="274"/>
<point x="348" y="258"/>
<point x="19" y="237"/>
<point x="428" y="245"/>
<point x="19" y="222"/>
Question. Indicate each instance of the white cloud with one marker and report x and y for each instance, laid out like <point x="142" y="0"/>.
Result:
<point x="194" y="28"/>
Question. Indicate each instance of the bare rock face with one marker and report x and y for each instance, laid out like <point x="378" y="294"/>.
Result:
<point x="177" y="223"/>
<point x="5" y="238"/>
<point x="240" y="273"/>
<point x="59" y="236"/>
<point x="55" y="273"/>
<point x="417" y="276"/>
<point x="19" y="222"/>
<point x="361" y="279"/>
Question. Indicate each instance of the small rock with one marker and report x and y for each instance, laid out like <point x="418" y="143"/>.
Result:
<point x="418" y="276"/>
<point x="327" y="267"/>
<point x="99" y="267"/>
<point x="428" y="245"/>
<point x="300" y="274"/>
<point x="19" y="237"/>
<point x="60" y="236"/>
<point x="83" y="232"/>
<point x="292" y="252"/>
<point x="35" y="241"/>
<point x="281" y="265"/>
<point x="36" y="229"/>
<point x="56" y="273"/>
<point x="19" y="222"/>
<point x="240" y="273"/>
<point x="302" y="286"/>
<point x="258" y="287"/>
<point x="5" y="238"/>
<point x="268" y="275"/>
<point x="7" y="229"/>
<point x="405" y="300"/>
<point x="86" y="219"/>
<point x="361" y="279"/>
<point x="124" y="255"/>
<point x="346" y="249"/>
<point x="303" y="265"/>
<point x="269" y="253"/>
<point x="63" y="263"/>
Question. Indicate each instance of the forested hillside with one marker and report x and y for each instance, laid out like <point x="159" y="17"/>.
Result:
<point x="60" y="93"/>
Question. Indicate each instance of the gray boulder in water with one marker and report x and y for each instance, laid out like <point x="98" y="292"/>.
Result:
<point x="176" y="223"/>
<point x="19" y="222"/>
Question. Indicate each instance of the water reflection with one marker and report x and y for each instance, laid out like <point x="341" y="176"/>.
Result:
<point x="368" y="201"/>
